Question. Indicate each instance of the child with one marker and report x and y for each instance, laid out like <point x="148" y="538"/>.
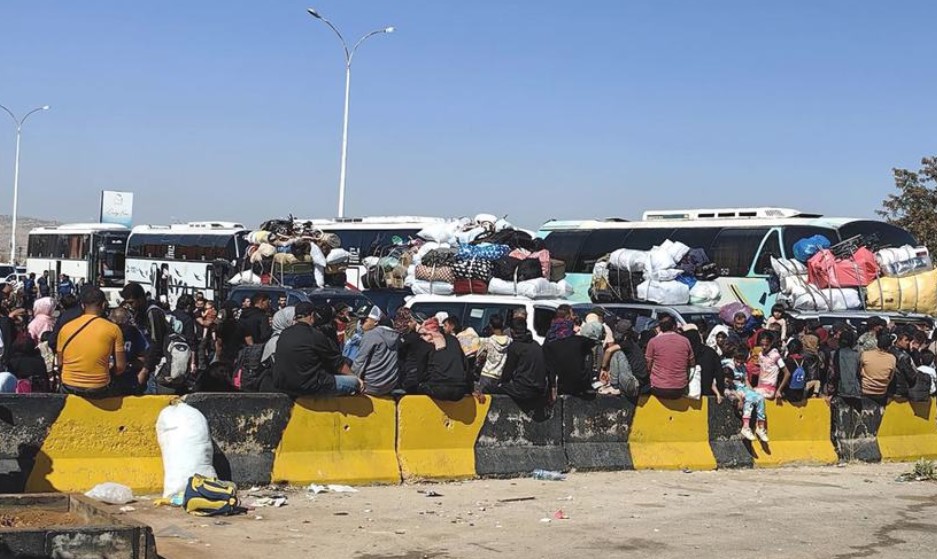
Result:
<point x="926" y="358"/>
<point x="493" y="354"/>
<point x="739" y="389"/>
<point x="777" y="317"/>
<point x="770" y="364"/>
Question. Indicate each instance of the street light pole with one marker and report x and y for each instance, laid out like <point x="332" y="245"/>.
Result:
<point x="349" y="56"/>
<point x="16" y="172"/>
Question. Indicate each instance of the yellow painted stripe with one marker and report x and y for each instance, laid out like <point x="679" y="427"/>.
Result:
<point x="798" y="434"/>
<point x="908" y="431"/>
<point x="338" y="440"/>
<point x="671" y="435"/>
<point x="95" y="441"/>
<point x="436" y="440"/>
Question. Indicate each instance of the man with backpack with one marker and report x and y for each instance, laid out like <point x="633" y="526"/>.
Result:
<point x="152" y="322"/>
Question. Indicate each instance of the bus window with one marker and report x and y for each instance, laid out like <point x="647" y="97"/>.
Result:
<point x="565" y="245"/>
<point x="696" y="237"/>
<point x="733" y="250"/>
<point x="771" y="248"/>
<point x="478" y="315"/>
<point x="646" y="239"/>
<point x="598" y="244"/>
<point x="543" y="318"/>
<point x="888" y="234"/>
<point x="794" y="233"/>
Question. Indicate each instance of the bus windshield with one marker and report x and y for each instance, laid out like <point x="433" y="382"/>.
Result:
<point x="110" y="262"/>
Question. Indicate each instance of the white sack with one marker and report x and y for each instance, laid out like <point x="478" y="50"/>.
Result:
<point x="539" y="288"/>
<point x="185" y="443"/>
<point x="420" y="287"/>
<point x="705" y="293"/>
<point x="631" y="260"/>
<point x="664" y="292"/>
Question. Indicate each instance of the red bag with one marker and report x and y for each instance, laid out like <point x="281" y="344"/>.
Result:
<point x="824" y="270"/>
<point x="469" y="287"/>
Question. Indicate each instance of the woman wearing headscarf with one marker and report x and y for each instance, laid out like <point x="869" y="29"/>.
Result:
<point x="282" y="320"/>
<point x="42" y="321"/>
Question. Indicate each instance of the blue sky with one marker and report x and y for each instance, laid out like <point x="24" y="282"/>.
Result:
<point x="537" y="110"/>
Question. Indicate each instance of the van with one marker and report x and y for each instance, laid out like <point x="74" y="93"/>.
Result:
<point x="642" y="314"/>
<point x="474" y="311"/>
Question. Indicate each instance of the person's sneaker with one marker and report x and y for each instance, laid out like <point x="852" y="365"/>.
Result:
<point x="747" y="433"/>
<point x="610" y="391"/>
<point x="762" y="434"/>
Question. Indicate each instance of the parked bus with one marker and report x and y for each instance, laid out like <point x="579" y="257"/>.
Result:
<point x="739" y="241"/>
<point x="170" y="260"/>
<point x="85" y="252"/>
<point x="361" y="236"/>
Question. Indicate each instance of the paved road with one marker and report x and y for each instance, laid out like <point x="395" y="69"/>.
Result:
<point x="844" y="513"/>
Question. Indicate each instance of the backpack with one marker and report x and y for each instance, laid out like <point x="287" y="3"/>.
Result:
<point x="210" y="497"/>
<point x="177" y="355"/>
<point x="798" y="377"/>
<point x="249" y="370"/>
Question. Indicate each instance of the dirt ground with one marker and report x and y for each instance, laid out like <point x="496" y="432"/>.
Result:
<point x="34" y="518"/>
<point x="848" y="512"/>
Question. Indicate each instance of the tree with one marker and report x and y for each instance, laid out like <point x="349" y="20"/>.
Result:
<point x="915" y="206"/>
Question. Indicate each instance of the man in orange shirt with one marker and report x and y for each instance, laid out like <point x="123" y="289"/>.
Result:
<point x="85" y="347"/>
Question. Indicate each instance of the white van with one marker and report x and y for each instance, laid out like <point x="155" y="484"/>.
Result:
<point x="476" y="310"/>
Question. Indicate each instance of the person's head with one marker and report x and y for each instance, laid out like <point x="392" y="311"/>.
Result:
<point x="120" y="316"/>
<point x="563" y="312"/>
<point x="920" y="339"/>
<point x="6" y="289"/>
<point x="403" y="321"/>
<point x="598" y="311"/>
<point x="739" y="321"/>
<point x="69" y="301"/>
<point x="740" y="356"/>
<point x="430" y="329"/>
<point x="795" y="347"/>
<point x="246" y="303"/>
<point x="185" y="303"/>
<point x="877" y="324"/>
<point x="451" y="326"/>
<point x="885" y="341"/>
<point x="766" y="340"/>
<point x="283" y="319"/>
<point x="32" y="275"/>
<point x="521" y="313"/>
<point x="64" y="277"/>
<point x="847" y="338"/>
<point x="304" y="312"/>
<point x="623" y="331"/>
<point x="518" y="329"/>
<point x="593" y="331"/>
<point x="199" y="303"/>
<point x="774" y="327"/>
<point x="209" y="305"/>
<point x="260" y="301"/>
<point x="667" y="323"/>
<point x="134" y="296"/>
<point x="496" y="324"/>
<point x="721" y="338"/>
<point x="777" y="311"/>
<point x="44" y="306"/>
<point x="904" y="339"/>
<point x="281" y="302"/>
<point x="926" y="358"/>
<point x="93" y="300"/>
<point x="324" y="316"/>
<point x="373" y="319"/>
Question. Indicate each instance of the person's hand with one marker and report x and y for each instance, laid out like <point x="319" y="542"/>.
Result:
<point x="778" y="397"/>
<point x="142" y="377"/>
<point x="360" y="386"/>
<point x="718" y="399"/>
<point x="604" y="376"/>
<point x="17" y="313"/>
<point x="479" y="397"/>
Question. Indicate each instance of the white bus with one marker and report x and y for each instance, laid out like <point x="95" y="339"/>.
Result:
<point x="170" y="260"/>
<point x="740" y="241"/>
<point x="85" y="252"/>
<point x="361" y="236"/>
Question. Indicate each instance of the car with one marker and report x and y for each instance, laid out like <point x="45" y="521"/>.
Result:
<point x="642" y="314"/>
<point x="16" y="280"/>
<point x="331" y="295"/>
<point x="389" y="300"/>
<point x="474" y="311"/>
<point x="858" y="319"/>
<point x="7" y="269"/>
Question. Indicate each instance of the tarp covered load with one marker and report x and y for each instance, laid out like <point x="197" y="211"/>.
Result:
<point x="917" y="294"/>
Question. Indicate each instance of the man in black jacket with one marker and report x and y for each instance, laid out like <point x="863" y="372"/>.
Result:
<point x="524" y="377"/>
<point x="906" y="371"/>
<point x="254" y="320"/>
<point x="151" y="320"/>
<point x="307" y="362"/>
<point x="412" y="353"/>
<point x="184" y="313"/>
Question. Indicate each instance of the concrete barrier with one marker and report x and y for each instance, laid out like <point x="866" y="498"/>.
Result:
<point x="799" y="434"/>
<point x="855" y="426"/>
<point x="436" y="439"/>
<point x="596" y="431"/>
<point x="246" y="430"/>
<point x="516" y="441"/>
<point x="671" y="434"/>
<point x="338" y="440"/>
<point x="25" y="421"/>
<point x="95" y="441"/>
<point x="908" y="431"/>
<point x="729" y="448"/>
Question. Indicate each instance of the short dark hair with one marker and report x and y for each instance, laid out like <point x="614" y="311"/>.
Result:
<point x="93" y="297"/>
<point x="259" y="298"/>
<point x="766" y="335"/>
<point x="454" y="322"/>
<point x="884" y="341"/>
<point x="795" y="347"/>
<point x="777" y="308"/>
<point x="184" y="302"/>
<point x="740" y="353"/>
<point x="920" y="337"/>
<point x="927" y="358"/>
<point x="496" y="322"/>
<point x="876" y="322"/>
<point x="667" y="323"/>
<point x="847" y="338"/>
<point x="739" y="315"/>
<point x="133" y="290"/>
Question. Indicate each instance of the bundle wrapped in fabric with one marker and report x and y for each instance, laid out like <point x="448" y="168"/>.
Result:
<point x="614" y="285"/>
<point x="380" y="277"/>
<point x="825" y="270"/>
<point x="510" y="268"/>
<point x="338" y="257"/>
<point x="557" y="270"/>
<point x="542" y="256"/>
<point x="540" y="288"/>
<point x="697" y="263"/>
<point x="420" y="287"/>
<point x="664" y="292"/>
<point x="811" y="298"/>
<point x="676" y="250"/>
<point x="434" y="273"/>
<point x="917" y="293"/>
<point x="629" y="260"/>
<point x="904" y="261"/>
<point x="728" y="311"/>
<point x="473" y="268"/>
<point x="482" y="252"/>
<point x="469" y="287"/>
<point x="705" y="293"/>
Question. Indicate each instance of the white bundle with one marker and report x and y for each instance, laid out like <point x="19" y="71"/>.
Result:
<point x="669" y="274"/>
<point x="705" y="293"/>
<point x="539" y="288"/>
<point x="468" y="237"/>
<point x="631" y="260"/>
<point x="784" y="267"/>
<point x="660" y="259"/>
<point x="810" y="298"/>
<point x="676" y="250"/>
<point x="370" y="261"/>
<point x="338" y="256"/>
<point x="420" y="287"/>
<point x="246" y="277"/>
<point x="904" y="261"/>
<point x="440" y="232"/>
<point x="600" y="271"/>
<point x="664" y="292"/>
<point x="185" y="443"/>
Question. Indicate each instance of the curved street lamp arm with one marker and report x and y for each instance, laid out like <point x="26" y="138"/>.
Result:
<point x="363" y="39"/>
<point x="340" y="38"/>
<point x="36" y="110"/>
<point x="13" y="116"/>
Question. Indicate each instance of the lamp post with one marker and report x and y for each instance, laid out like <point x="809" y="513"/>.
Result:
<point x="16" y="172"/>
<point x="349" y="56"/>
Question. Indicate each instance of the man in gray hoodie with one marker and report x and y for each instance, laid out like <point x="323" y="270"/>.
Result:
<point x="376" y="363"/>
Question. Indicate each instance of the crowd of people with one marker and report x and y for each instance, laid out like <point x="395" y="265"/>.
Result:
<point x="74" y="344"/>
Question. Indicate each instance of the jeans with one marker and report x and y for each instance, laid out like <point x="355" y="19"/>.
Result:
<point x="345" y="385"/>
<point x="7" y="383"/>
<point x="753" y="400"/>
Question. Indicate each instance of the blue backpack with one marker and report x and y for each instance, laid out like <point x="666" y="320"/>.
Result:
<point x="798" y="377"/>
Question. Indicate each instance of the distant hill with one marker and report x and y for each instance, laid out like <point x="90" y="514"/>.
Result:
<point x="23" y="226"/>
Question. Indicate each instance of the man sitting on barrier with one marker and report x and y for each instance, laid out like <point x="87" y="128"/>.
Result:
<point x="877" y="369"/>
<point x="447" y="376"/>
<point x="669" y="358"/>
<point x="308" y="362"/>
<point x="573" y="363"/>
<point x="376" y="363"/>
<point x="86" y="346"/>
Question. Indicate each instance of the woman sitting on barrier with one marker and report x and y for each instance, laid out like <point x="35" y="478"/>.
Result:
<point x="447" y="376"/>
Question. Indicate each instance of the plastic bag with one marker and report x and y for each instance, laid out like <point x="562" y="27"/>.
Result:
<point x="111" y="493"/>
<point x="695" y="389"/>
<point x="805" y="248"/>
<point x="185" y="443"/>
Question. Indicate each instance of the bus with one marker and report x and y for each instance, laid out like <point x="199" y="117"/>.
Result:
<point x="85" y="252"/>
<point x="171" y="260"/>
<point x="361" y="236"/>
<point x="740" y="241"/>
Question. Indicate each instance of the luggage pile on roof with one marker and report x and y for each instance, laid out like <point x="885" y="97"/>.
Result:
<point x="283" y="251"/>
<point x="483" y="255"/>
<point x="856" y="274"/>
<point x="669" y="274"/>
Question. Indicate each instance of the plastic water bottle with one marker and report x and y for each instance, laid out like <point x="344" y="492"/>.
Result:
<point x="547" y="475"/>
